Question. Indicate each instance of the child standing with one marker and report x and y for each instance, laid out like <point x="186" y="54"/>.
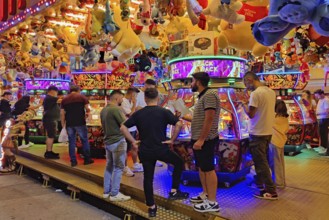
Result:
<point x="279" y="138"/>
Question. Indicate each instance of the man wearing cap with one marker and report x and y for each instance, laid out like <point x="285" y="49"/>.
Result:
<point x="322" y="115"/>
<point x="5" y="107"/>
<point x="50" y="118"/>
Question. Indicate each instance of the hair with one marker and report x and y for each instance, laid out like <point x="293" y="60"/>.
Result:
<point x="6" y="93"/>
<point x="115" y="92"/>
<point x="150" y="82"/>
<point x="151" y="93"/>
<point x="251" y="75"/>
<point x="281" y="109"/>
<point x="74" y="88"/>
<point x="319" y="91"/>
<point x="23" y="103"/>
<point x="132" y="89"/>
<point x="308" y="93"/>
<point x="202" y="77"/>
<point x="52" y="88"/>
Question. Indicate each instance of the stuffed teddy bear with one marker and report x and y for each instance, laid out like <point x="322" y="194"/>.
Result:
<point x="89" y="56"/>
<point x="239" y="36"/>
<point x="285" y="15"/>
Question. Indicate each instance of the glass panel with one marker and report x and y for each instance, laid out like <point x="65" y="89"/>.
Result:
<point x="226" y="125"/>
<point x="295" y="113"/>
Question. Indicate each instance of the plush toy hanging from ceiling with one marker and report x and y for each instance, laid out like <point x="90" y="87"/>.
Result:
<point x="285" y="15"/>
<point x="109" y="25"/>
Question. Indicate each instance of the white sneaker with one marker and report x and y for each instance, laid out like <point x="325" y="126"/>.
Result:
<point x="106" y="195"/>
<point x="319" y="148"/>
<point x="138" y="168"/>
<point x="308" y="146"/>
<point x="159" y="164"/>
<point x="23" y="146"/>
<point x="322" y="151"/>
<point x="127" y="172"/>
<point x="119" y="198"/>
<point x="30" y="144"/>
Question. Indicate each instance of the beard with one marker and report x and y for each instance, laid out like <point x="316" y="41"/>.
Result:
<point x="195" y="88"/>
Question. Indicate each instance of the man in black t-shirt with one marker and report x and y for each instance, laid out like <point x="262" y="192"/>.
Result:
<point x="152" y="122"/>
<point x="5" y="107"/>
<point x="73" y="116"/>
<point x="50" y="117"/>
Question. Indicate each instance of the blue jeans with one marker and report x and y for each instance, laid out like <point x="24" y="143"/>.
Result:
<point x="115" y="162"/>
<point x="83" y="134"/>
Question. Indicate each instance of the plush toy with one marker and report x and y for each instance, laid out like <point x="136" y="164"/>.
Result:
<point x="156" y="15"/>
<point x="177" y="8"/>
<point x="109" y="25"/>
<point x="26" y="44"/>
<point x="90" y="55"/>
<point x="146" y="13"/>
<point x="125" y="43"/>
<point x="125" y="11"/>
<point x="239" y="36"/>
<point x="304" y="68"/>
<point x="285" y="15"/>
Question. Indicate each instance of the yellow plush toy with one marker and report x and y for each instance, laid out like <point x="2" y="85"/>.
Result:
<point x="26" y="44"/>
<point x="125" y="43"/>
<point x="239" y="36"/>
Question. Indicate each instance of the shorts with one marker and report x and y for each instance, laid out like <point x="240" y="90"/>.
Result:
<point x="204" y="158"/>
<point x="129" y="145"/>
<point x="51" y="128"/>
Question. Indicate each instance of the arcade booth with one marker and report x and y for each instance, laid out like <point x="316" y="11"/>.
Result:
<point x="37" y="90"/>
<point x="232" y="162"/>
<point x="97" y="86"/>
<point x="302" y="127"/>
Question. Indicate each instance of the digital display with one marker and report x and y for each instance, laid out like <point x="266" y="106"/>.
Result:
<point x="43" y="84"/>
<point x="90" y="80"/>
<point x="284" y="80"/>
<point x="220" y="66"/>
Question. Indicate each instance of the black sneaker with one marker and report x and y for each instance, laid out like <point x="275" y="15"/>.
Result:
<point x="199" y="198"/>
<point x="206" y="206"/>
<point x="52" y="152"/>
<point x="74" y="163"/>
<point x="253" y="185"/>
<point x="266" y="195"/>
<point x="153" y="212"/>
<point x="51" y="155"/>
<point x="90" y="161"/>
<point x="178" y="195"/>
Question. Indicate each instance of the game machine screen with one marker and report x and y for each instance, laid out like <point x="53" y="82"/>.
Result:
<point x="37" y="89"/>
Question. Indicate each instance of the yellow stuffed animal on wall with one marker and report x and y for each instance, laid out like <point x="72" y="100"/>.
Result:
<point x="239" y="36"/>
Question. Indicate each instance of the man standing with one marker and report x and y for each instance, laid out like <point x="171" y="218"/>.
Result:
<point x="261" y="111"/>
<point x="51" y="115"/>
<point x="204" y="130"/>
<point x="74" y="110"/>
<point x="5" y="107"/>
<point x="129" y="106"/>
<point x="322" y="115"/>
<point x="152" y="122"/>
<point x="115" y="146"/>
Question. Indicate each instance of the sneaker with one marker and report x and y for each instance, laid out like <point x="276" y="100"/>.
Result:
<point x="30" y="144"/>
<point x="23" y="146"/>
<point x="87" y="162"/>
<point x="308" y="146"/>
<point x="152" y="212"/>
<point x="119" y="198"/>
<point x="320" y="148"/>
<point x="74" y="163"/>
<point x="127" y="172"/>
<point x="253" y="185"/>
<point x="178" y="195"/>
<point x="158" y="164"/>
<point x="138" y="168"/>
<point x="266" y="195"/>
<point x="322" y="151"/>
<point x="280" y="186"/>
<point x="106" y="195"/>
<point x="324" y="154"/>
<point x="206" y="206"/>
<point x="199" y="198"/>
<point x="51" y="155"/>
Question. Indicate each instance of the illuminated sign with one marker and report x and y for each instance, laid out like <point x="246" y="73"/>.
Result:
<point x="220" y="66"/>
<point x="119" y="81"/>
<point x="43" y="84"/>
<point x="90" y="80"/>
<point x="287" y="80"/>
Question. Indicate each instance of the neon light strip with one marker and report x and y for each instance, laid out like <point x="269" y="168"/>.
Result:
<point x="235" y="112"/>
<point x="300" y="107"/>
<point x="206" y="58"/>
<point x="51" y="80"/>
<point x="285" y="73"/>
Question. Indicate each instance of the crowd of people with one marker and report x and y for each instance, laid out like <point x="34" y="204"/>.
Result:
<point x="135" y="123"/>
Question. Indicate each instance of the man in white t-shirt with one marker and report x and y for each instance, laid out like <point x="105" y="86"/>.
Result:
<point x="322" y="115"/>
<point x="261" y="111"/>
<point x="140" y="103"/>
<point x="129" y="107"/>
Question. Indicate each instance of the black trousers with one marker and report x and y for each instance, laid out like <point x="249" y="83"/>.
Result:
<point x="148" y="161"/>
<point x="26" y="136"/>
<point x="323" y="132"/>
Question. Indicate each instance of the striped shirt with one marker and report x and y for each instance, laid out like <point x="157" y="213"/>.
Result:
<point x="208" y="99"/>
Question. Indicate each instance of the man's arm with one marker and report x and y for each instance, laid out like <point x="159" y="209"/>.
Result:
<point x="63" y="122"/>
<point x="129" y="137"/>
<point x="249" y="110"/>
<point x="87" y="109"/>
<point x="178" y="127"/>
<point x="209" y="118"/>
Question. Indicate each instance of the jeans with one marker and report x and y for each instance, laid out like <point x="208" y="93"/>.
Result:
<point x="276" y="162"/>
<point x="323" y="131"/>
<point x="115" y="162"/>
<point x="259" y="147"/>
<point x="83" y="134"/>
<point x="148" y="161"/>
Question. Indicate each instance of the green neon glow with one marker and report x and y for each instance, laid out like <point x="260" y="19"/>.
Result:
<point x="289" y="90"/>
<point x="221" y="57"/>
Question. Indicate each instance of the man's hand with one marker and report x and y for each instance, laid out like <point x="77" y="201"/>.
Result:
<point x="198" y="145"/>
<point x="170" y="143"/>
<point x="135" y="145"/>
